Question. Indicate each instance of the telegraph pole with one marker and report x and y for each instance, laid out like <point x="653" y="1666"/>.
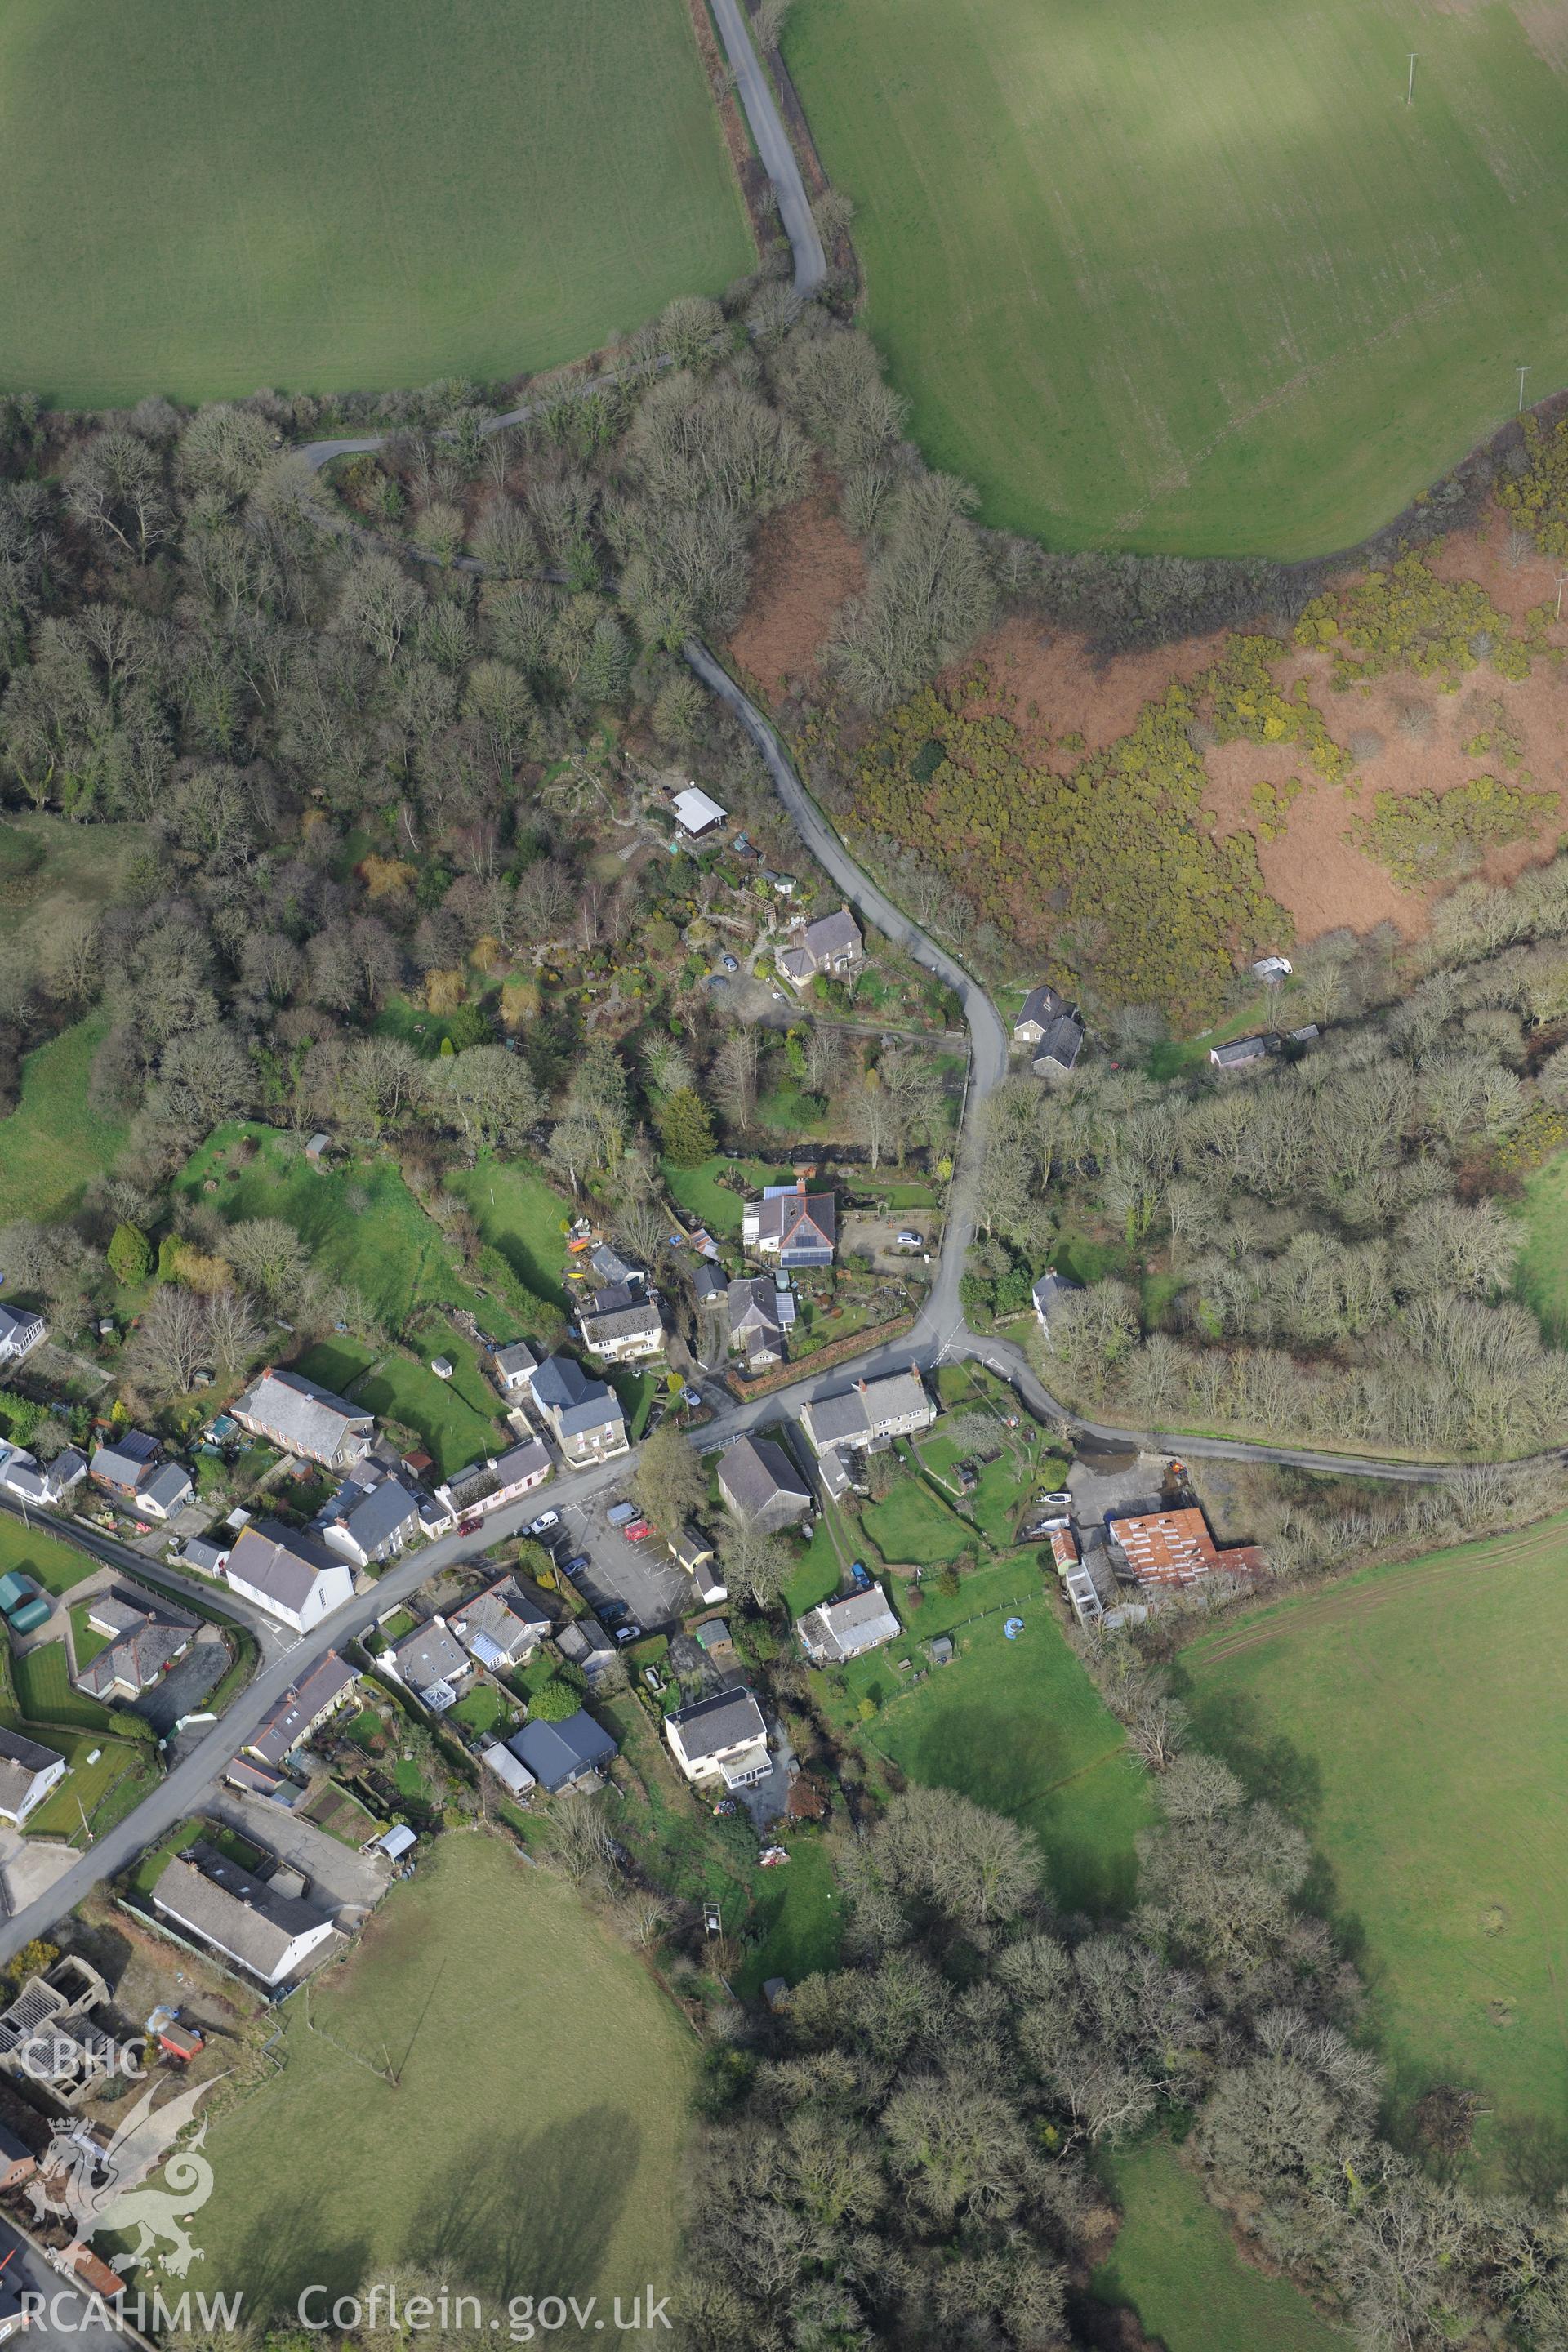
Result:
<point x="1410" y="85"/>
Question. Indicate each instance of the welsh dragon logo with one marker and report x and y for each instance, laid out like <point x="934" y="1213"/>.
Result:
<point x="100" y="2188"/>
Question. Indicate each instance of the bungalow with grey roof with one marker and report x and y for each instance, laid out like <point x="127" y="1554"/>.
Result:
<point x="836" y="1631"/>
<point x="1243" y="1052"/>
<point x="432" y="1662"/>
<point x="503" y="1625"/>
<point x="1059" y="1048"/>
<point x="140" y="1645"/>
<point x="268" y="1935"/>
<point x="1041" y="1009"/>
<point x="300" y="1418"/>
<point x="1047" y="1294"/>
<point x="514" y="1366"/>
<point x="832" y="945"/>
<point x="563" y="1755"/>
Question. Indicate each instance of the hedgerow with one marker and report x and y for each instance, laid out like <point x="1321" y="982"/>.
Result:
<point x="1538" y="498"/>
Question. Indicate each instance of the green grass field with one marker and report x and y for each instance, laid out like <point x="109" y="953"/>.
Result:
<point x="1175" y="2262"/>
<point x="1540" y="1277"/>
<point x="523" y="1217"/>
<point x="914" y="1526"/>
<point x="331" y="196"/>
<point x="505" y="2159"/>
<point x="50" y="1145"/>
<point x="56" y="1566"/>
<point x="1197" y="279"/>
<point x="1411" y="1718"/>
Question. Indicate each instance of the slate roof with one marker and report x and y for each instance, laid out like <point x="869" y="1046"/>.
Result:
<point x="1042" y="1006"/>
<point x="561" y="1382"/>
<point x="724" y="1719"/>
<point x="1061" y="1044"/>
<point x="18" y="1323"/>
<point x="430" y="1655"/>
<point x="123" y="1462"/>
<point x="299" y="1709"/>
<point x="386" y="1509"/>
<point x="21" y="1761"/>
<point x="306" y="1418"/>
<point x="595" y="1412"/>
<point x="798" y="1220"/>
<point x="517" y="1357"/>
<point x="755" y="1472"/>
<point x="504" y="1617"/>
<point x="167" y="1487"/>
<point x="556" y="1753"/>
<point x="280" y="1563"/>
<point x="242" y="1917"/>
<point x="620" y="1323"/>
<point x="753" y="1306"/>
<point x="842" y="1629"/>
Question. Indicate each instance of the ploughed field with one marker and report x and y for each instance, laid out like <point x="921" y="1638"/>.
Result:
<point x="338" y="194"/>
<point x="1412" y="1718"/>
<point x="1195" y="278"/>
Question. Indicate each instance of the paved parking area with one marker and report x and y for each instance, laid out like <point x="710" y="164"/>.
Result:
<point x="866" y="1240"/>
<point x="643" y="1575"/>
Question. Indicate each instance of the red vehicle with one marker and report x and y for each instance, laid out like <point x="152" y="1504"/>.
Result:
<point x="468" y="1527"/>
<point x="638" y="1531"/>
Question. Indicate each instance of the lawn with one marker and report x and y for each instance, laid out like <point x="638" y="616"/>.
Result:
<point x="55" y="1566"/>
<point x="50" y="1145"/>
<point x="85" y="1643"/>
<point x="484" y="1710"/>
<point x="200" y="206"/>
<point x="523" y="1217"/>
<point x="1411" y="1717"/>
<point x="698" y="1191"/>
<point x="800" y="1913"/>
<point x="1540" y="1277"/>
<point x="915" y="1526"/>
<point x="46" y="1693"/>
<point x="1018" y="1726"/>
<point x="1175" y="2263"/>
<point x="1198" y="280"/>
<point x="503" y="2159"/>
<point x="454" y="1429"/>
<point x="816" y="1574"/>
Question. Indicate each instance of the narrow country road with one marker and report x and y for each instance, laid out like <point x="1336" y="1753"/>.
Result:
<point x="773" y="145"/>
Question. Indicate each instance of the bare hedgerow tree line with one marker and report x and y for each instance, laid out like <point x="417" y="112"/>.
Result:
<point x="1338" y="1254"/>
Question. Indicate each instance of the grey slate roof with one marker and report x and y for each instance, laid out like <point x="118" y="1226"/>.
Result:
<point x="17" y="1323"/>
<point x="753" y="1306"/>
<point x="557" y="1753"/>
<point x="503" y="1616"/>
<point x="1051" y="1287"/>
<point x="432" y="1653"/>
<point x="299" y="1709"/>
<point x="723" y="1719"/>
<point x="755" y="1472"/>
<point x="620" y="1323"/>
<point x="275" y="1560"/>
<point x="1042" y="1006"/>
<point x="709" y="1284"/>
<point x="167" y="1487"/>
<point x="204" y="1552"/>
<point x="517" y="1357"/>
<point x="242" y="1916"/>
<point x="1241" y="1051"/>
<point x="123" y="1462"/>
<point x="797" y="1220"/>
<point x="306" y="1418"/>
<point x="1061" y="1044"/>
<point x="842" y="1629"/>
<point x="384" y="1512"/>
<point x="561" y="1382"/>
<point x="21" y="1761"/>
<point x="595" y="1412"/>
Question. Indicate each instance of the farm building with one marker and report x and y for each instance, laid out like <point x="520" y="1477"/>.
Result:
<point x="761" y="1486"/>
<point x="1176" y="1547"/>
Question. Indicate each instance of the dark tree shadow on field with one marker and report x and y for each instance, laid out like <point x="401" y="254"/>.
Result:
<point x="283" y="2252"/>
<point x="533" y="2215"/>
<point x="1534" y="2156"/>
<point x="1266" y="1764"/>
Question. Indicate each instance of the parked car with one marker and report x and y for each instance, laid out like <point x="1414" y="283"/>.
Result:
<point x="468" y="1527"/>
<point x="613" y="1612"/>
<point x="575" y="1565"/>
<point x="632" y="1633"/>
<point x="717" y="979"/>
<point x="638" y="1531"/>
<point x="861" y="1574"/>
<point x="910" y="1239"/>
<point x="543" y="1523"/>
<point x="1059" y="1501"/>
<point x="654" y="1679"/>
<point x="729" y="963"/>
<point x="621" y="1514"/>
<point x="1054" y="1525"/>
<point x="693" y="1401"/>
<point x="777" y="995"/>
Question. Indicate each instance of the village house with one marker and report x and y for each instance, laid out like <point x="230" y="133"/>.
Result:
<point x="692" y="1551"/>
<point x="710" y="1285"/>
<point x="293" y="1577"/>
<point x="293" y="1413"/>
<point x="129" y="1468"/>
<point x="432" y="1662"/>
<point x="28" y="1773"/>
<point x="303" y="1710"/>
<point x="721" y="1738"/>
<point x="831" y="946"/>
<point x="503" y="1625"/>
<point x="866" y="1418"/>
<point x="1042" y="1009"/>
<point x="140" y="1645"/>
<point x="208" y="1555"/>
<point x="266" y="1934"/>
<point x="1047" y="1294"/>
<point x="563" y="1755"/>
<point x="584" y="1418"/>
<point x="761" y="1486"/>
<point x="797" y="1227"/>
<point x="22" y="1330"/>
<point x="621" y="1324"/>
<point x="1176" y="1548"/>
<point x="42" y="1482"/>
<point x="756" y="1329"/>
<point x="370" y="1520"/>
<point x="490" y="1485"/>
<point x="1059" y="1048"/>
<point x="1077" y="1582"/>
<point x="836" y="1631"/>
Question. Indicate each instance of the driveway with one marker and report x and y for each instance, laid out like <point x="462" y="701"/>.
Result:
<point x="334" y="1871"/>
<point x="30" y="1866"/>
<point x="184" y="1689"/>
<point x="866" y="1240"/>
